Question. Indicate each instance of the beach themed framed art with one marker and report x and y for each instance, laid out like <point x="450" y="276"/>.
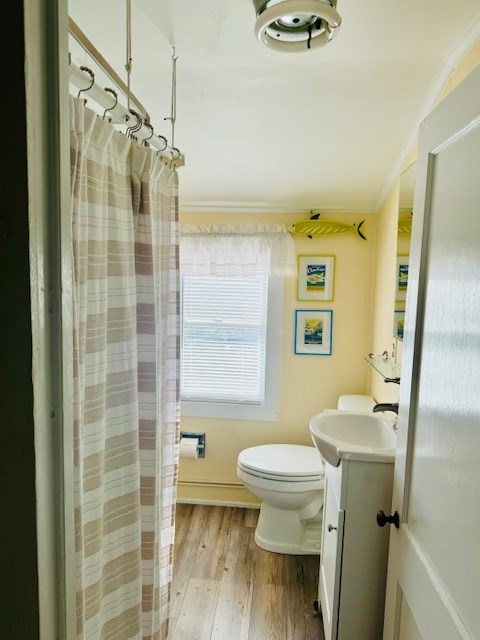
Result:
<point x="313" y="332"/>
<point x="401" y="278"/>
<point x="316" y="277"/>
<point x="398" y="324"/>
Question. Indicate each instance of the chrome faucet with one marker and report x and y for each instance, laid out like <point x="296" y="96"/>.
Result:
<point x="386" y="406"/>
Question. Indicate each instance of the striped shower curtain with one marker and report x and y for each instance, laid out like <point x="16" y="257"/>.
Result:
<point x="126" y="380"/>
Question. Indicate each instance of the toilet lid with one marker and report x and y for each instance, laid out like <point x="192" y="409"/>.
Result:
<point x="286" y="460"/>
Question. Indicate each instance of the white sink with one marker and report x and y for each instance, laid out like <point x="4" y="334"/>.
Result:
<point x="354" y="436"/>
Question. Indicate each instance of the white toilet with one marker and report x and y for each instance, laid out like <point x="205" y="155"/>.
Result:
<point x="288" y="479"/>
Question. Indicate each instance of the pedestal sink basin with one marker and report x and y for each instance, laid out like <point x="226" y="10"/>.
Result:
<point x="354" y="436"/>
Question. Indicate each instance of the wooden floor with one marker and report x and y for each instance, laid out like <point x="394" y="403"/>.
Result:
<point x="227" y="588"/>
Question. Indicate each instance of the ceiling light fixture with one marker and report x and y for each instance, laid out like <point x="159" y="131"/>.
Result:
<point x="296" y="25"/>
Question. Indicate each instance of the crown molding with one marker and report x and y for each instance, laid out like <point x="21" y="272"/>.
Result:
<point x="261" y="208"/>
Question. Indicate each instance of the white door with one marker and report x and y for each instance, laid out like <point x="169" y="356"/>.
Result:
<point x="433" y="585"/>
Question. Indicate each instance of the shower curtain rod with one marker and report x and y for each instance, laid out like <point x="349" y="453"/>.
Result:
<point x="120" y="115"/>
<point x="88" y="46"/>
<point x="84" y="81"/>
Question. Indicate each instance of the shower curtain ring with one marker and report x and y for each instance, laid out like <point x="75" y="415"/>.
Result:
<point x="136" y="126"/>
<point x="175" y="156"/>
<point x="92" y="76"/>
<point x="149" y="126"/>
<point x="114" y="93"/>
<point x="165" y="141"/>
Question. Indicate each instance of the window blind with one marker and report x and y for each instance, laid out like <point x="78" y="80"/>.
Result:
<point x="224" y="328"/>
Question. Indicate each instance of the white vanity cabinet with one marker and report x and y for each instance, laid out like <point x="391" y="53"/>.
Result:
<point x="353" y="562"/>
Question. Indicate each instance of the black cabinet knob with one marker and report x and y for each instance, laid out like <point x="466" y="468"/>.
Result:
<point x="383" y="519"/>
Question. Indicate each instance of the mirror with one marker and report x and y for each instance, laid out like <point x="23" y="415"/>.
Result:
<point x="405" y="218"/>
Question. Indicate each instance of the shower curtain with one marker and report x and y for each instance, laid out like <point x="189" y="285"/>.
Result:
<point x="126" y="380"/>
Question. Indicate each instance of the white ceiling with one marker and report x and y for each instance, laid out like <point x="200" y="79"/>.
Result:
<point x="322" y="130"/>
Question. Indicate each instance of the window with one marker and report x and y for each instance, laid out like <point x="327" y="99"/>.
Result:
<point x="230" y="346"/>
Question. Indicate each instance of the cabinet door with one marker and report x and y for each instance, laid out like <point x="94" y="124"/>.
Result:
<point x="330" y="565"/>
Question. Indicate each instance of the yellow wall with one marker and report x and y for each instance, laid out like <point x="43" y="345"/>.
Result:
<point x="384" y="292"/>
<point x="308" y="384"/>
<point x="387" y="246"/>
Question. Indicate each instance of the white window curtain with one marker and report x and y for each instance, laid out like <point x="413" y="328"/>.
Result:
<point x="228" y="273"/>
<point x="240" y="250"/>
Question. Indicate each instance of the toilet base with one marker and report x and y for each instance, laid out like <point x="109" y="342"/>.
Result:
<point x="283" y="531"/>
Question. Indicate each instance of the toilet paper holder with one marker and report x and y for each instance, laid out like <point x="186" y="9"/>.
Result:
<point x="201" y="441"/>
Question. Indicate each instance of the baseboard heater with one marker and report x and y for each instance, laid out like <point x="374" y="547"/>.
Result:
<point x="215" y="484"/>
<point x="212" y="483"/>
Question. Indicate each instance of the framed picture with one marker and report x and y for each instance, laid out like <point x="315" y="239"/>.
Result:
<point x="401" y="277"/>
<point x="313" y="332"/>
<point x="316" y="276"/>
<point x="398" y="324"/>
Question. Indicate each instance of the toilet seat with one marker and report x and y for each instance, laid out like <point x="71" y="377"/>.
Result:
<point x="282" y="463"/>
<point x="280" y="484"/>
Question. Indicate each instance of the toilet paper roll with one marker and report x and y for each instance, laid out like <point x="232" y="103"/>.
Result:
<point x="188" y="448"/>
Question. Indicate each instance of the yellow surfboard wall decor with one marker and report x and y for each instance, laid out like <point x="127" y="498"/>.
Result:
<point x="405" y="227"/>
<point x="319" y="227"/>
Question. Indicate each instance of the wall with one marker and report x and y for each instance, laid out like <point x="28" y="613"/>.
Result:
<point x="384" y="292"/>
<point x="465" y="66"/>
<point x="386" y="241"/>
<point x="308" y="383"/>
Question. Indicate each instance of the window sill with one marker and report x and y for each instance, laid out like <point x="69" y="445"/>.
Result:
<point x="229" y="411"/>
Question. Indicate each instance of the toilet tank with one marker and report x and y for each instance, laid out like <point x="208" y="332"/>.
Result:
<point x="356" y="403"/>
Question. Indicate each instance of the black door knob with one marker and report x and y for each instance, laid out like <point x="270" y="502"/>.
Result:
<point x="382" y="519"/>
